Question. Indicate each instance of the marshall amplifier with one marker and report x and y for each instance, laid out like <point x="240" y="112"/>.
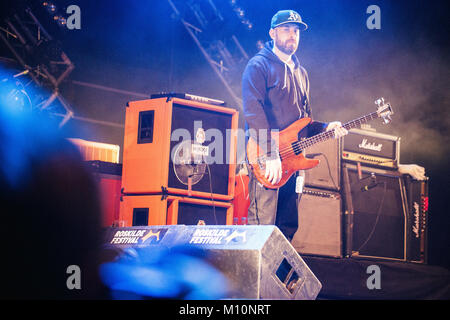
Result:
<point x="371" y="148"/>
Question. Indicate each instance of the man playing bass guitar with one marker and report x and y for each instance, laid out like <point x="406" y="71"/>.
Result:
<point x="275" y="91"/>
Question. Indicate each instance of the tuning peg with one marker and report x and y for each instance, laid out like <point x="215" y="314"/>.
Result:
<point x="379" y="101"/>
<point x="387" y="119"/>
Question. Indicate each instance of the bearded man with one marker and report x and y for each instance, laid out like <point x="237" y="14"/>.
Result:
<point x="275" y="92"/>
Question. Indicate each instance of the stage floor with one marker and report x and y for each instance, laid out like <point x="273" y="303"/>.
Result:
<point x="347" y="278"/>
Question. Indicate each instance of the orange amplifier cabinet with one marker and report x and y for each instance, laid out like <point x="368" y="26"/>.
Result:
<point x="180" y="147"/>
<point x="158" y="210"/>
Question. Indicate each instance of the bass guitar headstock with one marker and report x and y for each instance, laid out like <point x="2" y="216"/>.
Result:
<point x="384" y="110"/>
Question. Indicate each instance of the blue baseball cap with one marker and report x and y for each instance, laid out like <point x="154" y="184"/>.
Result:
<point x="287" y="16"/>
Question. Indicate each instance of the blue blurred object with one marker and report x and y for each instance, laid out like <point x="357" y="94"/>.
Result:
<point x="25" y="136"/>
<point x="160" y="273"/>
<point x="13" y="94"/>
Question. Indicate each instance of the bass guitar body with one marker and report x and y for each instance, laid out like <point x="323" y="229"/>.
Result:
<point x="292" y="158"/>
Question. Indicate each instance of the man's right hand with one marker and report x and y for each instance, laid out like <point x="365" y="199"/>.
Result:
<point x="273" y="170"/>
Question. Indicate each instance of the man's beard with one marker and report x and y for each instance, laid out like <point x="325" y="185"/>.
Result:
<point x="288" y="47"/>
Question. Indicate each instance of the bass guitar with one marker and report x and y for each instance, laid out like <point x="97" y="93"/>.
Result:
<point x="292" y="142"/>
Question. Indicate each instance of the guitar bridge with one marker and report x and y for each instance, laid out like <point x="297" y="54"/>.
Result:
<point x="262" y="163"/>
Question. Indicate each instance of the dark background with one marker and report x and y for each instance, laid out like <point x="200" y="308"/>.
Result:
<point x="139" y="46"/>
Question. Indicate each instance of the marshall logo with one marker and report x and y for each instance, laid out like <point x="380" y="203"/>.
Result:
<point x="370" y="146"/>
<point x="415" y="226"/>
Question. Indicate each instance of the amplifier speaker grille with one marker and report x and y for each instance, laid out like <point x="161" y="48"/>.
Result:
<point x="377" y="227"/>
<point x="320" y="223"/>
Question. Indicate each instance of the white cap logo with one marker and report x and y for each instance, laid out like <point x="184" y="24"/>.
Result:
<point x="293" y="16"/>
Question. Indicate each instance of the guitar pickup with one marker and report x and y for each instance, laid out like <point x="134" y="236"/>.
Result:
<point x="296" y="148"/>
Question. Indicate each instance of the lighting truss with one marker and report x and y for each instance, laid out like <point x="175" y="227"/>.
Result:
<point x="40" y="56"/>
<point x="223" y="52"/>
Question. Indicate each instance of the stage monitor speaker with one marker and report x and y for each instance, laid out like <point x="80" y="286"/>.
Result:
<point x="162" y="210"/>
<point x="376" y="213"/>
<point x="258" y="261"/>
<point x="327" y="174"/>
<point x="417" y="204"/>
<point x="179" y="147"/>
<point x="319" y="224"/>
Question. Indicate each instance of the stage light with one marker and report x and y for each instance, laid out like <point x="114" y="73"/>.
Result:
<point x="259" y="44"/>
<point x="51" y="8"/>
<point x="60" y="20"/>
<point x="248" y="24"/>
<point x="240" y="12"/>
<point x="13" y="95"/>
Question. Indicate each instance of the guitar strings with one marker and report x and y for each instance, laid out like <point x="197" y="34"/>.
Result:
<point x="298" y="146"/>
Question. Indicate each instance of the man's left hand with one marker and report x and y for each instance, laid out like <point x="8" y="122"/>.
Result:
<point x="339" y="130"/>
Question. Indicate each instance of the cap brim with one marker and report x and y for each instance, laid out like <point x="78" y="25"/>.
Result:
<point x="303" y="26"/>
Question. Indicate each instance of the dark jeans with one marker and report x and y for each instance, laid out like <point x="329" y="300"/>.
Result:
<point x="274" y="207"/>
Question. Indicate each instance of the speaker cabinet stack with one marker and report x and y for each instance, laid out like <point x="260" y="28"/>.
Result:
<point x="385" y="212"/>
<point x="356" y="203"/>
<point x="178" y="154"/>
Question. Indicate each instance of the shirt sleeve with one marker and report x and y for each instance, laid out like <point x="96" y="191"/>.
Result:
<point x="254" y="94"/>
